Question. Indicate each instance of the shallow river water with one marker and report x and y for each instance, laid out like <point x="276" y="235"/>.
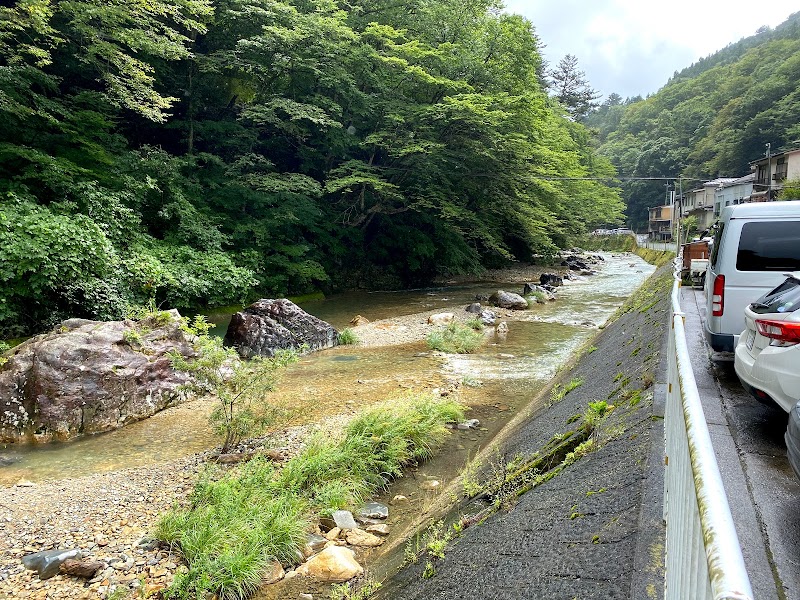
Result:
<point x="503" y="376"/>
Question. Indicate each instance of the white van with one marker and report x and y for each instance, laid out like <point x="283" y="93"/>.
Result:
<point x="754" y="246"/>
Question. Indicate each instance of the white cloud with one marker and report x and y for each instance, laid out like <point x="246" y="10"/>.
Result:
<point x="633" y="47"/>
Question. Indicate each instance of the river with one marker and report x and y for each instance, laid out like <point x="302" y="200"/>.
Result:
<point x="503" y="376"/>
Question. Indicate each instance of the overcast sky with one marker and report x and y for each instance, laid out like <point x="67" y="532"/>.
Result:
<point x="633" y="46"/>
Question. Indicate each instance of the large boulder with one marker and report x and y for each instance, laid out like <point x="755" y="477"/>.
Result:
<point x="90" y="376"/>
<point x="508" y="300"/>
<point x="269" y="325"/>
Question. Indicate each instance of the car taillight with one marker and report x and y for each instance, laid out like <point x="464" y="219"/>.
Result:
<point x="787" y="334"/>
<point x="718" y="296"/>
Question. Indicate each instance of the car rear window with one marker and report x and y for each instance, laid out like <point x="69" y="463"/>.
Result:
<point x="769" y="246"/>
<point x="783" y="299"/>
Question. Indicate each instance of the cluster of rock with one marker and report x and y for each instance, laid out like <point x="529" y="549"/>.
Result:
<point x="89" y="376"/>
<point x="269" y="325"/>
<point x="581" y="264"/>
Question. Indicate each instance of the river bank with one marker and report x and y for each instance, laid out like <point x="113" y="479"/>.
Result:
<point x="591" y="526"/>
<point x="109" y="515"/>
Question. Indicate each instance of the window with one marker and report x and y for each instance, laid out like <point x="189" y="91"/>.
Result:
<point x="769" y="246"/>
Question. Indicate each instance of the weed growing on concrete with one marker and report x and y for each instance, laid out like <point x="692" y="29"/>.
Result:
<point x="558" y="392"/>
<point x="591" y="349"/>
<point x="429" y="570"/>
<point x="351" y="591"/>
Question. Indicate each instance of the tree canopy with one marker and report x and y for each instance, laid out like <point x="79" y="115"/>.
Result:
<point x="198" y="152"/>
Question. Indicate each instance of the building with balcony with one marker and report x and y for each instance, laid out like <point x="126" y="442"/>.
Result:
<point x="772" y="171"/>
<point x="659" y="222"/>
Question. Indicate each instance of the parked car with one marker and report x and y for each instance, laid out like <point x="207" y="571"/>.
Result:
<point x="768" y="353"/>
<point x="753" y="246"/>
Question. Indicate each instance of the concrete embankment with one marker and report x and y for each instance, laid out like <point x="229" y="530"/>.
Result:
<point x="586" y="524"/>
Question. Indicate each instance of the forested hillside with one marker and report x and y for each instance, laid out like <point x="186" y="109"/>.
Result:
<point x="710" y="119"/>
<point x="196" y="153"/>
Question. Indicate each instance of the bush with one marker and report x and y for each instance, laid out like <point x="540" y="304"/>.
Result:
<point x="347" y="337"/>
<point x="455" y="339"/>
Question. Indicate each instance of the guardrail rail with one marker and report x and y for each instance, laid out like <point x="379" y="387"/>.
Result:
<point x="703" y="555"/>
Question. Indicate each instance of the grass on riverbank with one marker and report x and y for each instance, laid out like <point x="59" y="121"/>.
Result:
<point x="237" y="523"/>
<point x="456" y="338"/>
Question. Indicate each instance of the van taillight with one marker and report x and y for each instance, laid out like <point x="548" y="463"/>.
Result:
<point x="718" y="296"/>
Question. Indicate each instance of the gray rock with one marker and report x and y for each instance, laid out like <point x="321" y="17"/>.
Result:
<point x="488" y="317"/>
<point x="91" y="376"/>
<point x="315" y="543"/>
<point x="532" y="288"/>
<point x="344" y="519"/>
<point x="474" y="308"/>
<point x="509" y="300"/>
<point x="269" y="325"/>
<point x="48" y="562"/>
<point x="374" y="510"/>
<point x="551" y="279"/>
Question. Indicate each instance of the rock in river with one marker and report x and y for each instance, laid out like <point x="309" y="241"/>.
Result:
<point x="335" y="563"/>
<point x="269" y="325"/>
<point x="508" y="300"/>
<point x="91" y="376"/>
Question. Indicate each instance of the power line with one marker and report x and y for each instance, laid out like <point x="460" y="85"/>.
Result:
<point x="548" y="178"/>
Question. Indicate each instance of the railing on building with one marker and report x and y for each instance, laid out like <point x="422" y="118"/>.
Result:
<point x="703" y="556"/>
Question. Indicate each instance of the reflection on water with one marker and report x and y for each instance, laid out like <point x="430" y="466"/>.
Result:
<point x="511" y="370"/>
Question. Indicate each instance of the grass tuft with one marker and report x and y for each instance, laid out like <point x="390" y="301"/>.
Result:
<point x="456" y="338"/>
<point x="237" y="524"/>
<point x="347" y="337"/>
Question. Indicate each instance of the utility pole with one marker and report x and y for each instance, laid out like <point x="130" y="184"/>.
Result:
<point x="769" y="171"/>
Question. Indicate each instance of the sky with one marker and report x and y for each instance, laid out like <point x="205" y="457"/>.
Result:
<point x="632" y="47"/>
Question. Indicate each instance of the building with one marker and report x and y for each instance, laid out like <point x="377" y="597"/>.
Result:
<point x="735" y="191"/>
<point x="659" y="222"/>
<point x="772" y="171"/>
<point x="699" y="202"/>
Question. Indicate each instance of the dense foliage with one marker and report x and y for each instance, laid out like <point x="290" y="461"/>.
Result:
<point x="709" y="121"/>
<point x="206" y="152"/>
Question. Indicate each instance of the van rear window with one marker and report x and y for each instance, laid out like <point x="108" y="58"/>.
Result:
<point x="769" y="246"/>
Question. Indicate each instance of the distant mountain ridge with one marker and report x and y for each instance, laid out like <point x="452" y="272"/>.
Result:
<point x="710" y="120"/>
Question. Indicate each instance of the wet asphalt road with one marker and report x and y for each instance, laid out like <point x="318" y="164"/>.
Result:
<point x="762" y="490"/>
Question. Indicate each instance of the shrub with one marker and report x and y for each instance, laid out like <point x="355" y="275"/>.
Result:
<point x="456" y="338"/>
<point x="347" y="337"/>
<point x="475" y="324"/>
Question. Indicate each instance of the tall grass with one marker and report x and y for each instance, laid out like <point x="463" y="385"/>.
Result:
<point x="236" y="524"/>
<point x="455" y="339"/>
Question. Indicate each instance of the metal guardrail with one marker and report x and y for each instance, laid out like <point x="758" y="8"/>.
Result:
<point x="703" y="555"/>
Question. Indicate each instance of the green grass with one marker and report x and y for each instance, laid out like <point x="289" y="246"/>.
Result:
<point x="475" y="324"/>
<point x="347" y="337"/>
<point x="456" y="338"/>
<point x="236" y="524"/>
